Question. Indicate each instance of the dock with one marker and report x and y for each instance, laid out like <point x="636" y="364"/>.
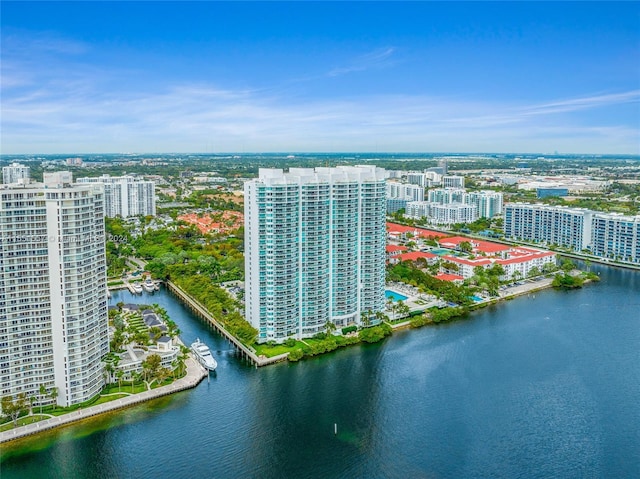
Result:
<point x="246" y="352"/>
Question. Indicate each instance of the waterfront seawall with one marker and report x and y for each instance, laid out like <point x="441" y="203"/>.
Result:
<point x="203" y="313"/>
<point x="195" y="374"/>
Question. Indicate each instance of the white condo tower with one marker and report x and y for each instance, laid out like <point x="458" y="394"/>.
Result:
<point x="314" y="249"/>
<point x="53" y="303"/>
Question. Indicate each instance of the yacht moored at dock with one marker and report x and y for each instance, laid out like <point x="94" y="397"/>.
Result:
<point x="137" y="289"/>
<point x="149" y="286"/>
<point x="203" y="354"/>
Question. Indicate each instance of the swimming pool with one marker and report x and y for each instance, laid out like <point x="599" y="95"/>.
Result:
<point x="476" y="298"/>
<point x="395" y="296"/>
<point x="441" y="251"/>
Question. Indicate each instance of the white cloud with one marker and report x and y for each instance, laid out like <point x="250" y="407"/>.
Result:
<point x="75" y="113"/>
<point x="375" y="59"/>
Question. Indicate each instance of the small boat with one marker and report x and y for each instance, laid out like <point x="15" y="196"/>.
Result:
<point x="203" y="355"/>
<point x="137" y="289"/>
<point x="149" y="286"/>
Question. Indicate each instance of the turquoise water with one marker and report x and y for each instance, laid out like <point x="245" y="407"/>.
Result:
<point x="476" y="298"/>
<point x="441" y="251"/>
<point x="543" y="387"/>
<point x="395" y="296"/>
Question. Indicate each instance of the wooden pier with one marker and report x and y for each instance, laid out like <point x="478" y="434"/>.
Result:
<point x="200" y="311"/>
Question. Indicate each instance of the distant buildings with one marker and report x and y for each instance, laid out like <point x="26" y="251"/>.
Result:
<point x="607" y="235"/>
<point x="53" y="303"/>
<point x="314" y="249"/>
<point x="14" y="173"/>
<point x="442" y="214"/>
<point x="452" y="181"/>
<point x="399" y="194"/>
<point x="551" y="192"/>
<point x="126" y="195"/>
<point x="404" y="191"/>
<point x="448" y="206"/>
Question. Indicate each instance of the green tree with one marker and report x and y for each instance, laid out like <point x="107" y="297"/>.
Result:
<point x="53" y="393"/>
<point x="119" y="376"/>
<point x="150" y="368"/>
<point x="465" y="246"/>
<point x="295" y="355"/>
<point x="13" y="408"/>
<point x="43" y="392"/>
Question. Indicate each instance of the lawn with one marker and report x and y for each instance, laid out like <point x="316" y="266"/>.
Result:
<point x="270" y="351"/>
<point x="23" y="421"/>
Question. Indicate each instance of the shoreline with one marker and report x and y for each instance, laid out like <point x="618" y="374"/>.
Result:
<point x="195" y="374"/>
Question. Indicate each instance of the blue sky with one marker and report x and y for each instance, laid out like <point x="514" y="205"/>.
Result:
<point x="320" y="77"/>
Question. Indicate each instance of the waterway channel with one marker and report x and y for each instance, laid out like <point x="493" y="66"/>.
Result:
<point x="540" y="386"/>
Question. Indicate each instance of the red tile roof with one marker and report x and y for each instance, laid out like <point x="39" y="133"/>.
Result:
<point x="448" y="277"/>
<point x="420" y="232"/>
<point x="413" y="256"/>
<point x="478" y="245"/>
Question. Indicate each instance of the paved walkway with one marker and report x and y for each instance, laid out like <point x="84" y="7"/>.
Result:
<point x="195" y="374"/>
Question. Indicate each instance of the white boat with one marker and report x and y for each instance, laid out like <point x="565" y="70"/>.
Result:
<point x="203" y="355"/>
<point x="137" y="289"/>
<point x="149" y="286"/>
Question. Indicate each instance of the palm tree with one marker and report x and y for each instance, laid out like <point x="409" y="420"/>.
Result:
<point x="32" y="400"/>
<point x="108" y="369"/>
<point x="43" y="392"/>
<point x="119" y="375"/>
<point x="403" y="309"/>
<point x="135" y="376"/>
<point x="54" y="393"/>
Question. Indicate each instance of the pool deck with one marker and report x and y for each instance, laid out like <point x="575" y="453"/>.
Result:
<point x="416" y="301"/>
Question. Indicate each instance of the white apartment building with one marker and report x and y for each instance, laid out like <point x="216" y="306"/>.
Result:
<point x="452" y="181"/>
<point x="404" y="191"/>
<point x="488" y="203"/>
<point x="419" y="179"/>
<point x="53" y="303"/>
<point x="14" y="173"/>
<point x="126" y="195"/>
<point x="616" y="236"/>
<point x="441" y="214"/>
<point x="549" y="225"/>
<point x="445" y="196"/>
<point x="314" y="249"/>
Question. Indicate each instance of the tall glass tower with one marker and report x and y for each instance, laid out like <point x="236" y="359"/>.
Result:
<point x="314" y="249"/>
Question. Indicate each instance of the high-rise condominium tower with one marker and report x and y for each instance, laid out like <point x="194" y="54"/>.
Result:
<point x="14" y="173"/>
<point x="126" y="195"/>
<point x="314" y="249"/>
<point x="53" y="304"/>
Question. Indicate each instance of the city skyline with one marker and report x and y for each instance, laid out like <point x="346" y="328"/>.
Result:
<point x="302" y="77"/>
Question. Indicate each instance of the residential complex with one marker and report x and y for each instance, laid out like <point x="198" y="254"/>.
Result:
<point x="517" y="262"/>
<point x="53" y="300"/>
<point x="126" y="195"/>
<point x="452" y="181"/>
<point x="314" y="249"/>
<point x="442" y="214"/>
<point x="487" y="203"/>
<point x="460" y="256"/>
<point x="607" y="235"/>
<point x="404" y="191"/>
<point x="14" y="173"/>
